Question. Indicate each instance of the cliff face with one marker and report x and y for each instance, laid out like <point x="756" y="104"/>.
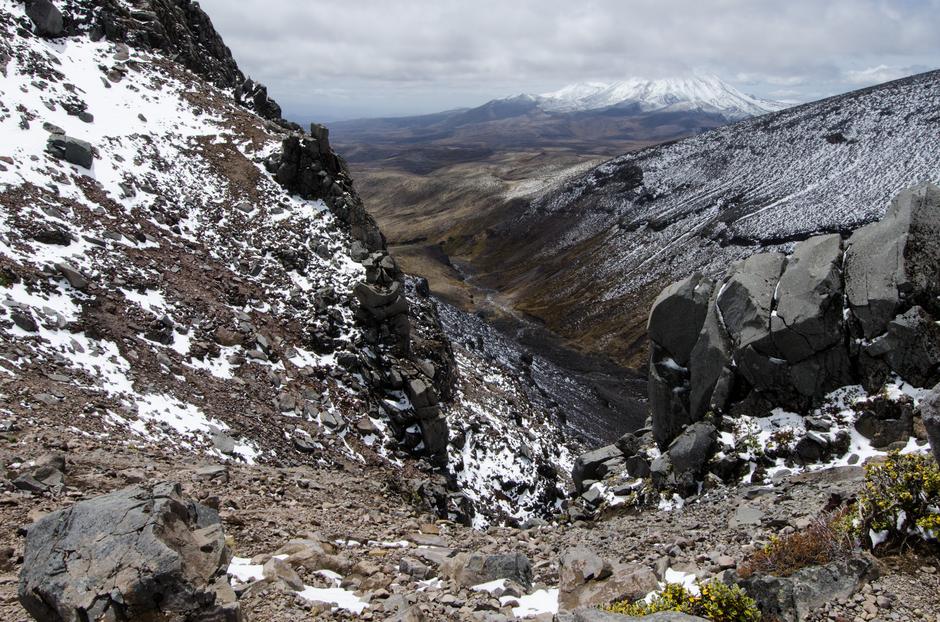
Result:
<point x="786" y="330"/>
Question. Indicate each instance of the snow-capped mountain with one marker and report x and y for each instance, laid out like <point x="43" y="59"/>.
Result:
<point x="692" y="93"/>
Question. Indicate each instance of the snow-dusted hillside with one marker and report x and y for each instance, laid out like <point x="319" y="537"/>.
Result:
<point x="614" y="237"/>
<point x="173" y="296"/>
<point x="693" y="93"/>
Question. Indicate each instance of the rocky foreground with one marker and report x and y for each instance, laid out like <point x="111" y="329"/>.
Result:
<point x="348" y="543"/>
<point x="222" y="400"/>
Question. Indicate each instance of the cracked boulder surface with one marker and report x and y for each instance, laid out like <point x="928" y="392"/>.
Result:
<point x="137" y="552"/>
<point x="785" y="330"/>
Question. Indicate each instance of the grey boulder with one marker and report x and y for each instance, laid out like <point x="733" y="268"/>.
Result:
<point x="46" y="17"/>
<point x="72" y="150"/>
<point x="587" y="580"/>
<point x="894" y="260"/>
<point x="144" y="552"/>
<point x="793" y="598"/>
<point x="693" y="448"/>
<point x="470" y="569"/>
<point x="595" y="464"/>
<point x="929" y="409"/>
<point x="677" y="316"/>
<point x="808" y="315"/>
<point x="746" y="300"/>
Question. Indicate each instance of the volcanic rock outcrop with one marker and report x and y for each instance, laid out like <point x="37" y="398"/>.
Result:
<point x="785" y="330"/>
<point x="138" y="553"/>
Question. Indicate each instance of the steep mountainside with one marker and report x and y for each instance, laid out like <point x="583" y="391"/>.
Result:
<point x="183" y="269"/>
<point x="589" y="256"/>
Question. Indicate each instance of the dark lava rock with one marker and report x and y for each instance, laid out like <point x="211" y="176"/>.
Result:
<point x="144" y="552"/>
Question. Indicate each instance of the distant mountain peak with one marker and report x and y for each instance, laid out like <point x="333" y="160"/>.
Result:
<point x="705" y="93"/>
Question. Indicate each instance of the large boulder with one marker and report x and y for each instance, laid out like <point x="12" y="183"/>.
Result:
<point x="144" y="552"/>
<point x="72" y="150"/>
<point x="682" y="465"/>
<point x="895" y="263"/>
<point x="45" y="17"/>
<point x="793" y="598"/>
<point x="677" y="315"/>
<point x="787" y="330"/>
<point x="910" y="348"/>
<point x="746" y="300"/>
<point x="470" y="569"/>
<point x="929" y="409"/>
<point x="668" y="392"/>
<point x="692" y="449"/>
<point x="595" y="464"/>
<point x="808" y="317"/>
<point x="712" y="356"/>
<point x="587" y="580"/>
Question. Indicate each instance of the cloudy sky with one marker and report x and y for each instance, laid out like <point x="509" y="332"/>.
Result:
<point x="363" y="58"/>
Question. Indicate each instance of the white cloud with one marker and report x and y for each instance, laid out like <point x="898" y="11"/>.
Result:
<point x="881" y="73"/>
<point x="376" y="56"/>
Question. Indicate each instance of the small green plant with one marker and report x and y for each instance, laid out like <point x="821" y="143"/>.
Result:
<point x="901" y="499"/>
<point x="715" y="601"/>
<point x="828" y="538"/>
<point x="782" y="440"/>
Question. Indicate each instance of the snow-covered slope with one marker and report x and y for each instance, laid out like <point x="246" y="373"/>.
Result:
<point x="693" y="93"/>
<point x="614" y="237"/>
<point x="173" y="296"/>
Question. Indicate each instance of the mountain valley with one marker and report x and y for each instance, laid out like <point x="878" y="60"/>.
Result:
<point x="559" y="357"/>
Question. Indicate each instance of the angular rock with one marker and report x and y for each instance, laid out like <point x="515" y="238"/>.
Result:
<point x="143" y="552"/>
<point x="808" y="316"/>
<point x="677" y="315"/>
<point x="46" y="17"/>
<point x="895" y="261"/>
<point x="793" y="598"/>
<point x="73" y="275"/>
<point x="434" y="433"/>
<point x="278" y="570"/>
<point x="929" y="409"/>
<point x="372" y="297"/>
<point x="712" y="357"/>
<point x="668" y="396"/>
<point x="746" y="299"/>
<point x="586" y="465"/>
<point x="910" y="348"/>
<point x="587" y="580"/>
<point x="72" y="150"/>
<point x="692" y="449"/>
<point x="476" y="568"/>
<point x="885" y="421"/>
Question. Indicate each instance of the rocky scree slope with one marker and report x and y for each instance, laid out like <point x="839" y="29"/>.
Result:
<point x="608" y="242"/>
<point x="183" y="269"/>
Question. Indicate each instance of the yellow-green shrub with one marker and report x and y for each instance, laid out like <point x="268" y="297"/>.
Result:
<point x="901" y="496"/>
<point x="715" y="601"/>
